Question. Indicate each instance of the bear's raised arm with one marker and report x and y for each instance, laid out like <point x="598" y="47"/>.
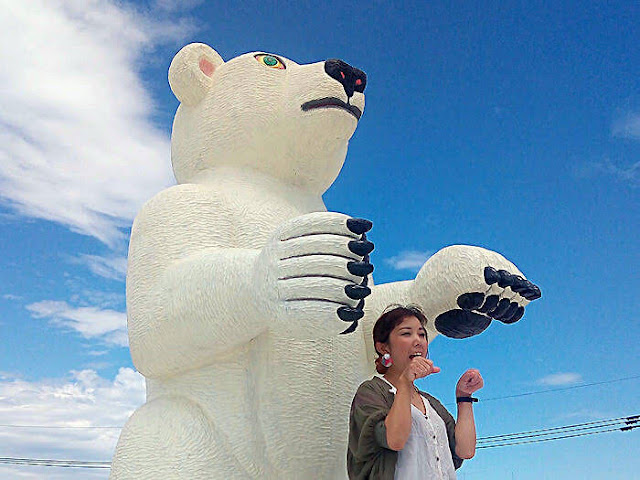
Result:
<point x="185" y="285"/>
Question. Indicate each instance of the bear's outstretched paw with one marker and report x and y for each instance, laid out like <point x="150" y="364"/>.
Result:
<point x="322" y="263"/>
<point x="477" y="309"/>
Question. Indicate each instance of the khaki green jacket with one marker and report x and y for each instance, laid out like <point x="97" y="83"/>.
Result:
<point x="369" y="456"/>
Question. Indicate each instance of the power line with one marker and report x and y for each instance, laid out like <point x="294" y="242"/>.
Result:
<point x="53" y="463"/>
<point x="561" y="389"/>
<point x="8" y="425"/>
<point x="506" y="444"/>
<point x="583" y="385"/>
<point x="630" y="422"/>
<point x="578" y="426"/>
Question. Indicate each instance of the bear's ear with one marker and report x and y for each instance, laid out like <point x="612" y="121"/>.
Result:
<point x="191" y="70"/>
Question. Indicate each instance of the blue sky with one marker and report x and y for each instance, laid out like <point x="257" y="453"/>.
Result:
<point x="515" y="127"/>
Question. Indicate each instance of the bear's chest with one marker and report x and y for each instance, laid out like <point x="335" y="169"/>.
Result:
<point x="252" y="211"/>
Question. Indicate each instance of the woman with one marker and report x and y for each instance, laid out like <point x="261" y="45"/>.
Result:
<point x="395" y="430"/>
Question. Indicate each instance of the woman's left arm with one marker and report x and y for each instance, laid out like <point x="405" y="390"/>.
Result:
<point x="465" y="432"/>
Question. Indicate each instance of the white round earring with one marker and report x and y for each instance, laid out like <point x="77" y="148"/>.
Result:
<point x="386" y="360"/>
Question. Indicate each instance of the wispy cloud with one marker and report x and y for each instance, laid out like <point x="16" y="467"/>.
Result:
<point x="77" y="142"/>
<point x="113" y="268"/>
<point x="10" y="296"/>
<point x="628" y="174"/>
<point x="560" y="379"/>
<point x="108" y="326"/>
<point x="627" y="126"/>
<point x="83" y="399"/>
<point x="408" y="260"/>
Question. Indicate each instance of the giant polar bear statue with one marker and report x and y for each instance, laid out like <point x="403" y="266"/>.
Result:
<point x="240" y="282"/>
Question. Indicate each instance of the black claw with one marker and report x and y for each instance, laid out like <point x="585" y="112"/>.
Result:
<point x="361" y="247"/>
<point x="470" y="301"/>
<point x="359" y="225"/>
<point x="461" y="323"/>
<point x="360" y="269"/>
<point x="509" y="312"/>
<point x="352" y="328"/>
<point x="518" y="315"/>
<point x="520" y="285"/>
<point x="489" y="304"/>
<point x="532" y="293"/>
<point x="506" y="279"/>
<point x="348" y="314"/>
<point x="491" y="276"/>
<point x="356" y="292"/>
<point x="501" y="308"/>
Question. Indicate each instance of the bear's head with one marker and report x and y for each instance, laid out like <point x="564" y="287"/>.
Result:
<point x="263" y="112"/>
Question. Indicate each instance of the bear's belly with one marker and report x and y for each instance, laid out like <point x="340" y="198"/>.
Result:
<point x="282" y="405"/>
<point x="305" y="395"/>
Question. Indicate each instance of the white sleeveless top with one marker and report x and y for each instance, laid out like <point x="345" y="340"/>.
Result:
<point x="426" y="455"/>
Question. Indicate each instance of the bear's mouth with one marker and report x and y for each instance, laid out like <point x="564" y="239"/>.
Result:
<point x="332" y="102"/>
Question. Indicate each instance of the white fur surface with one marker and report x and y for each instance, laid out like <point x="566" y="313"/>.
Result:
<point x="235" y="276"/>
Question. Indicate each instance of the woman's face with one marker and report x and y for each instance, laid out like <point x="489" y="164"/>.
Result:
<point x="407" y="339"/>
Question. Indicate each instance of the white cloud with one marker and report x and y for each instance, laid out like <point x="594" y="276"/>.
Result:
<point x="108" y="326"/>
<point x="114" y="268"/>
<point x="560" y="379"/>
<point x="409" y="260"/>
<point x="175" y="5"/>
<point x="97" y="353"/>
<point x="10" y="296"/>
<point x="85" y="399"/>
<point x="77" y="142"/>
<point x="627" y="126"/>
<point x="629" y="174"/>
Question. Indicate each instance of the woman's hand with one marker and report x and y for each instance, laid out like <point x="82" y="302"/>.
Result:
<point x="419" y="367"/>
<point x="470" y="381"/>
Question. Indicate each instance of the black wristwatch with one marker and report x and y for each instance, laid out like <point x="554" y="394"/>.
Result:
<point x="466" y="399"/>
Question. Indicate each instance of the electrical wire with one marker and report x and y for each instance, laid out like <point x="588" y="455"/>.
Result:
<point x="576" y="427"/>
<point x="8" y="425"/>
<point x="561" y="389"/>
<point x="631" y="422"/>
<point x="53" y="463"/>
<point x="506" y="444"/>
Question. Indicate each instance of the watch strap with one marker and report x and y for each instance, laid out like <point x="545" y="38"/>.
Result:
<point x="466" y="399"/>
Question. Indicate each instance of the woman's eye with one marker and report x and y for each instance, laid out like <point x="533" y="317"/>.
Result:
<point x="270" y="61"/>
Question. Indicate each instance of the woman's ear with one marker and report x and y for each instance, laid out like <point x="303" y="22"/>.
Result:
<point x="381" y="348"/>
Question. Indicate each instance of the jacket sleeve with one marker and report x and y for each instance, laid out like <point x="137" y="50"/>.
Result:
<point x="450" y="425"/>
<point x="367" y="430"/>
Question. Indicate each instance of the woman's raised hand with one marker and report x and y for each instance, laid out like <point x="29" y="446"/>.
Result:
<point x="419" y="367"/>
<point x="470" y="381"/>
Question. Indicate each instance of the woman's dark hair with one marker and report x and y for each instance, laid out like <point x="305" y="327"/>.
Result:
<point x="389" y="320"/>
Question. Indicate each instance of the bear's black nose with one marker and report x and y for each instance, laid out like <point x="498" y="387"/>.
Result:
<point x="352" y="79"/>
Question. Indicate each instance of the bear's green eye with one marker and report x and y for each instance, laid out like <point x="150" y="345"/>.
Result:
<point x="270" y="61"/>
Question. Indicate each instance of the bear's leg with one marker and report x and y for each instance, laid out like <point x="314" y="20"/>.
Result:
<point x="172" y="438"/>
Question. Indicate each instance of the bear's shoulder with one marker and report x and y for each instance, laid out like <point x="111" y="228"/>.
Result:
<point x="178" y="199"/>
<point x="182" y="209"/>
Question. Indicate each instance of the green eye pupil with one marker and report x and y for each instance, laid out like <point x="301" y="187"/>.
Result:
<point x="270" y="61"/>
